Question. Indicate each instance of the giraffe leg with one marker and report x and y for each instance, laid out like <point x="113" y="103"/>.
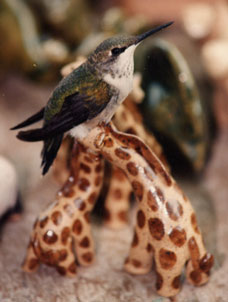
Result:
<point x="83" y="241"/>
<point x="31" y="261"/>
<point x="140" y="258"/>
<point x="66" y="261"/>
<point x="168" y="273"/>
<point x="63" y="229"/>
<point x="200" y="263"/>
<point x="117" y="200"/>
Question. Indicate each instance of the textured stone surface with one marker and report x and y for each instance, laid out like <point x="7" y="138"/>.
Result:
<point x="105" y="280"/>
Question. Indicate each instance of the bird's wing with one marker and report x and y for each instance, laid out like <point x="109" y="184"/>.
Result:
<point x="76" y="109"/>
<point x="72" y="103"/>
<point x="31" y="120"/>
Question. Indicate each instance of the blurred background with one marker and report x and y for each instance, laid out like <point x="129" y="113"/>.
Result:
<point x="184" y="78"/>
<point x="184" y="69"/>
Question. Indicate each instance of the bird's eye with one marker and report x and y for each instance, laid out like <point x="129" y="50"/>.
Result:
<point x="117" y="50"/>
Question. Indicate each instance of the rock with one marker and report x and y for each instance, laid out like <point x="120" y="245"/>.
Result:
<point x="8" y="186"/>
<point x="198" y="19"/>
<point x="215" y="57"/>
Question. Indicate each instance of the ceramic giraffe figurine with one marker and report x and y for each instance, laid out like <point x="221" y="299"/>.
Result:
<point x="166" y="229"/>
<point x="129" y="120"/>
<point x="64" y="227"/>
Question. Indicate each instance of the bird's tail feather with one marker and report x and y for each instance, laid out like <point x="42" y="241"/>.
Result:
<point x="49" y="152"/>
<point x="31" y="120"/>
<point x="33" y="135"/>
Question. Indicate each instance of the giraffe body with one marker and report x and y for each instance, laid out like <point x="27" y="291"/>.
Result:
<point x="166" y="230"/>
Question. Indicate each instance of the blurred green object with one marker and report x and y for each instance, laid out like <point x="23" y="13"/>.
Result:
<point x="172" y="106"/>
<point x="20" y="47"/>
<point x="72" y="20"/>
<point x="37" y="37"/>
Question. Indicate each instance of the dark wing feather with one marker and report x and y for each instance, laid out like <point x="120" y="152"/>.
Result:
<point x="76" y="109"/>
<point x="31" y="120"/>
<point x="49" y="152"/>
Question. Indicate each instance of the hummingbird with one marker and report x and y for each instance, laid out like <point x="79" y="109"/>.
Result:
<point x="89" y="95"/>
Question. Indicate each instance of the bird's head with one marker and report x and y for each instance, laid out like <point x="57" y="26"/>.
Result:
<point x="117" y="52"/>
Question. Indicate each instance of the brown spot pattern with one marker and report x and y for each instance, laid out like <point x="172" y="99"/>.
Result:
<point x="82" y="206"/>
<point x="61" y="270"/>
<point x="156" y="228"/>
<point x="206" y="262"/>
<point x="92" y="198"/>
<point x="98" y="181"/>
<point x="87" y="216"/>
<point x="87" y="257"/>
<point x="65" y="234"/>
<point x="194" y="252"/>
<point x="176" y="282"/>
<point x="83" y="184"/>
<point x="155" y="165"/>
<point x="131" y="131"/>
<point x="84" y="242"/>
<point x="72" y="268"/>
<point x="49" y="257"/>
<point x="135" y="240"/>
<point x="148" y="173"/>
<point x="132" y="168"/>
<point x="185" y="197"/>
<point x="174" y="213"/>
<point x="88" y="159"/>
<point x="108" y="143"/>
<point x="67" y="190"/>
<point x="117" y="194"/>
<point x="43" y="222"/>
<point x="122" y="154"/>
<point x="123" y="216"/>
<point x="167" y="258"/>
<point x="165" y="176"/>
<point x="178" y="236"/>
<point x="194" y="223"/>
<point x="69" y="210"/>
<point x="149" y="248"/>
<point x="196" y="276"/>
<point x="136" y="263"/>
<point x="98" y="168"/>
<point x="33" y="263"/>
<point x="119" y="175"/>
<point x="141" y="219"/>
<point x="85" y="168"/>
<point x="57" y="217"/>
<point x="160" y="194"/>
<point x="143" y="150"/>
<point x="62" y="255"/>
<point x="152" y="203"/>
<point x="159" y="281"/>
<point x="77" y="227"/>
<point x="138" y="189"/>
<point x="50" y="237"/>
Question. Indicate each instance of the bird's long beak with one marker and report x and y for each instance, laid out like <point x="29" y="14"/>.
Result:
<point x="143" y="36"/>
